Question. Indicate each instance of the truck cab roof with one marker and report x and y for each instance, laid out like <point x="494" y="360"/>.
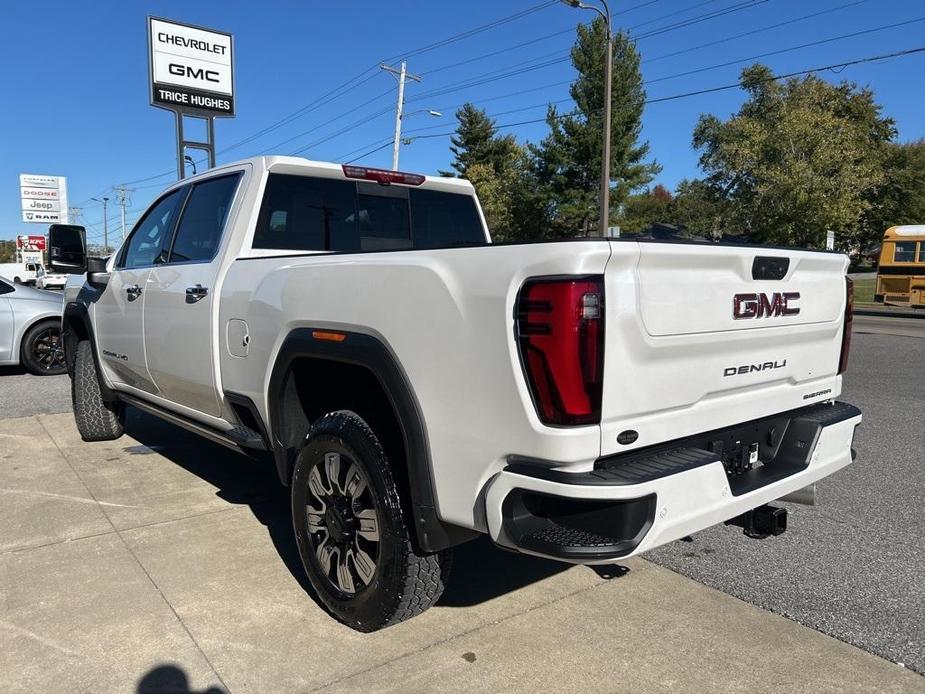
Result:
<point x="301" y="166"/>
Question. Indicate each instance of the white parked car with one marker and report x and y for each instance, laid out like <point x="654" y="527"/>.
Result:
<point x="48" y="279"/>
<point x="416" y="385"/>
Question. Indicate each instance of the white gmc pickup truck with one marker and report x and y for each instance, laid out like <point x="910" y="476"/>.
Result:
<point x="416" y="385"/>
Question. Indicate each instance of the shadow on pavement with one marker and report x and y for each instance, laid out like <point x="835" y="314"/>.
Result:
<point x="481" y="571"/>
<point x="170" y="678"/>
<point x="12" y="371"/>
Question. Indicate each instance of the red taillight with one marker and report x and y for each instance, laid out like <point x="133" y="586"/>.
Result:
<point x="849" y="317"/>
<point x="382" y="175"/>
<point x="560" y="331"/>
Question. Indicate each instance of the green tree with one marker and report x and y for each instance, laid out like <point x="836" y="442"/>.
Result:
<point x="501" y="172"/>
<point x="697" y="208"/>
<point x="642" y="210"/>
<point x="477" y="142"/>
<point x="7" y="251"/>
<point x="800" y="157"/>
<point x="568" y="160"/>
<point x="901" y="197"/>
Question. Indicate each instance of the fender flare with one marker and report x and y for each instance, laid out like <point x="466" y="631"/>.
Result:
<point x="366" y="351"/>
<point x="76" y="314"/>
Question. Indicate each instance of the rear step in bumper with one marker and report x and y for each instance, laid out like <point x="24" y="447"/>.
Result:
<point x="627" y="507"/>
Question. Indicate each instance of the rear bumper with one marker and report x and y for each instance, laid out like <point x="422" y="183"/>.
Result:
<point x="633" y="503"/>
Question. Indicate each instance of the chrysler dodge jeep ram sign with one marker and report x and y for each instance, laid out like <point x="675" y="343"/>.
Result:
<point x="43" y="198"/>
<point x="191" y="68"/>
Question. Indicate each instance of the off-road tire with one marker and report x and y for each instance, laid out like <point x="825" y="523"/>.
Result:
<point x="406" y="581"/>
<point x="96" y="420"/>
<point x="50" y="362"/>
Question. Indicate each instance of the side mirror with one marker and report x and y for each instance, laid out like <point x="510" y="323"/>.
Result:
<point x="67" y="249"/>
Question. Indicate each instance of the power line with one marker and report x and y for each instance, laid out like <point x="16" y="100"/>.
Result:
<point x="718" y="65"/>
<point x="754" y="31"/>
<point x="478" y="82"/>
<point x="710" y="90"/>
<point x="489" y="77"/>
<point x="378" y="142"/>
<point x="673" y="14"/>
<point x="372" y="151"/>
<point x="545" y="37"/>
<point x="333" y="120"/>
<point x="471" y="32"/>
<point x="786" y="50"/>
<point x="746" y="5"/>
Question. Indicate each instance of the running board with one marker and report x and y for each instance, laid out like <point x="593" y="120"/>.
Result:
<point x="240" y="439"/>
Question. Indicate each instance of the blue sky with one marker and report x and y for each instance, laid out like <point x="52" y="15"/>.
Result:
<point x="75" y="79"/>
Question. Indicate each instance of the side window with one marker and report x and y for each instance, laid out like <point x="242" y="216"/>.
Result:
<point x="904" y="252"/>
<point x="385" y="222"/>
<point x="307" y="214"/>
<point x="150" y="234"/>
<point x="444" y="219"/>
<point x="200" y="228"/>
<point x="5" y="288"/>
<point x="922" y="251"/>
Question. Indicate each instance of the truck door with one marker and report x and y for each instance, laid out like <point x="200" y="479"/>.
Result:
<point x="119" y="316"/>
<point x="179" y="329"/>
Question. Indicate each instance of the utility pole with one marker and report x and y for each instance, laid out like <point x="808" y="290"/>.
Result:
<point x="73" y="215"/>
<point x="105" y="202"/>
<point x="401" y="74"/>
<point x="123" y="201"/>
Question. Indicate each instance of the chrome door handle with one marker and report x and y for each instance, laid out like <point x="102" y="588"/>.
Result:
<point x="196" y="293"/>
<point x="133" y="290"/>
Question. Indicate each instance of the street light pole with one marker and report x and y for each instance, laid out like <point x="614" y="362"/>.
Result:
<point x="608" y="79"/>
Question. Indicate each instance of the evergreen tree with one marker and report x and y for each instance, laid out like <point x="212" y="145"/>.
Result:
<point x="476" y="142"/>
<point x="568" y="160"/>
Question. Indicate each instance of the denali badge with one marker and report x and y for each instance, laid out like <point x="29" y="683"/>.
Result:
<point x="751" y="368"/>
<point x="762" y="305"/>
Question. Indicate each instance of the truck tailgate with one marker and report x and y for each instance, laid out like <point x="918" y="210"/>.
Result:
<point x="700" y="337"/>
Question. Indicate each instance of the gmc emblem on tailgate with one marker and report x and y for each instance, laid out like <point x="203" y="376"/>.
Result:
<point x="764" y="305"/>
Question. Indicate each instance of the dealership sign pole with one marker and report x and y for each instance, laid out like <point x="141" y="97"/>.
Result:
<point x="191" y="72"/>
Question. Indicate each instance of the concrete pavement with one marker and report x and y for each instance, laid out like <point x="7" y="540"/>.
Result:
<point x="162" y="562"/>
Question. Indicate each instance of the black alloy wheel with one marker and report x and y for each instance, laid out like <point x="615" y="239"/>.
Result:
<point x="343" y="525"/>
<point x="43" y="350"/>
<point x="351" y="529"/>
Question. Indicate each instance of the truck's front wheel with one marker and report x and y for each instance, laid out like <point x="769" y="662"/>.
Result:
<point x="96" y="419"/>
<point x="352" y="536"/>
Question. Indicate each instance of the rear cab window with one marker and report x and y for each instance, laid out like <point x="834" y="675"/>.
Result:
<point x="304" y="213"/>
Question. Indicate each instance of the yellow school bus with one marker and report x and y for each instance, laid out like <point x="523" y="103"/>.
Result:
<point x="901" y="271"/>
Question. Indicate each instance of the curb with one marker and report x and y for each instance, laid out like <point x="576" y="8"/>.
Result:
<point x="890" y="313"/>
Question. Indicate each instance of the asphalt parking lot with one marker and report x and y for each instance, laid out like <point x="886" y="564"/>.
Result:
<point x="852" y="565"/>
<point x="161" y="562"/>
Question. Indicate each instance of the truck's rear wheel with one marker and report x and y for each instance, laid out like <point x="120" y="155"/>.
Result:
<point x="96" y="419"/>
<point x="351" y="534"/>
